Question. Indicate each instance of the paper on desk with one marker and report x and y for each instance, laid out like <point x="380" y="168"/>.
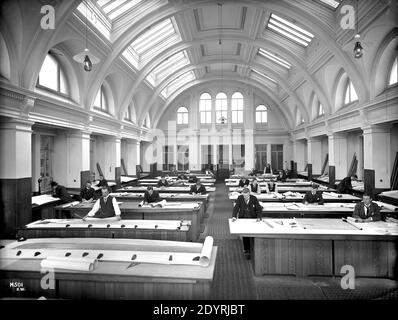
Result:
<point x="70" y="204"/>
<point x="69" y="263"/>
<point x="386" y="206"/>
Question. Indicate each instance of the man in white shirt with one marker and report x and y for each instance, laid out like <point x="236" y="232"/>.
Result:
<point x="105" y="207"/>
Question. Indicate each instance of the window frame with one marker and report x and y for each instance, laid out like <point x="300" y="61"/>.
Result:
<point x="184" y="114"/>
<point x="60" y="70"/>
<point x="219" y="108"/>
<point x="261" y="112"/>
<point x="391" y="69"/>
<point x="207" y="113"/>
<point x="347" y="89"/>
<point x="237" y="108"/>
<point x="103" y="97"/>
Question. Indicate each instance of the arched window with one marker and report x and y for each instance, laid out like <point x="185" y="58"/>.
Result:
<point x="182" y="115"/>
<point x="237" y="107"/>
<point x="321" y="110"/>
<point x="100" y="101"/>
<point x="127" y="114"/>
<point x="52" y="76"/>
<point x="393" y="73"/>
<point x="221" y="108"/>
<point x="205" y="108"/>
<point x="350" y="93"/>
<point x="261" y="114"/>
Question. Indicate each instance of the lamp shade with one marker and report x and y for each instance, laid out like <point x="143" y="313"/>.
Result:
<point x="81" y="57"/>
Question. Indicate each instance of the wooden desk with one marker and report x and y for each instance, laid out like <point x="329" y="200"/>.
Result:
<point x="235" y="183"/>
<point x="172" y="197"/>
<point x="282" y="189"/>
<point x="162" y="190"/>
<point x="297" y="197"/>
<point x="191" y="211"/>
<point x="300" y="210"/>
<point x="115" y="276"/>
<point x="176" y="183"/>
<point x="320" y="247"/>
<point x="42" y="206"/>
<point x="131" y="229"/>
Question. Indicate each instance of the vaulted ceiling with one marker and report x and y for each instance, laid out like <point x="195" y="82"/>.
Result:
<point x="166" y="47"/>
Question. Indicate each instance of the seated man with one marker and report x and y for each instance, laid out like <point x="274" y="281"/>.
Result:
<point x="182" y="176"/>
<point x="252" y="173"/>
<point x="313" y="196"/>
<point x="151" y="196"/>
<point x="163" y="182"/>
<point x="271" y="187"/>
<point x="102" y="182"/>
<point x="268" y="169"/>
<point x="281" y="176"/>
<point x="87" y="194"/>
<point x="193" y="179"/>
<point x="105" y="207"/>
<point x="198" y="188"/>
<point x="244" y="183"/>
<point x="255" y="187"/>
<point x="366" y="210"/>
<point x="60" y="192"/>
<point x="247" y="207"/>
<point x="345" y="185"/>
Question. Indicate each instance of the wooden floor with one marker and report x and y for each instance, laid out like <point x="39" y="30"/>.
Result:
<point x="234" y="278"/>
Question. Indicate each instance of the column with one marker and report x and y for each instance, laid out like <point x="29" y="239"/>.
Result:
<point x="314" y="154"/>
<point x="129" y="155"/>
<point x="77" y="158"/>
<point x="269" y="157"/>
<point x="111" y="157"/>
<point x="337" y="143"/>
<point x="249" y="149"/>
<point x="298" y="154"/>
<point x="15" y="174"/>
<point x="193" y="151"/>
<point x="376" y="140"/>
<point x="147" y="155"/>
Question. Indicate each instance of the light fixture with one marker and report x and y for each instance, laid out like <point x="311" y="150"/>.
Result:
<point x="358" y="50"/>
<point x="223" y="120"/>
<point x="86" y="57"/>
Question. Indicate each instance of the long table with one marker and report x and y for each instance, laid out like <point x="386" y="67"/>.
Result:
<point x="191" y="211"/>
<point x="182" y="270"/>
<point x="297" y="197"/>
<point x="300" y="210"/>
<point x="320" y="247"/>
<point x="162" y="190"/>
<point x="176" y="183"/>
<point x="173" y="197"/>
<point x="131" y="229"/>
<point x="235" y="183"/>
<point x="282" y="189"/>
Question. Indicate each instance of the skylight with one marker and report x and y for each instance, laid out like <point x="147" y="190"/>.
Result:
<point x="96" y="17"/>
<point x="289" y="30"/>
<point x="168" y="66"/>
<point x="331" y="3"/>
<point x="115" y="8"/>
<point x="178" y="82"/>
<point x="258" y="73"/>
<point x="156" y="39"/>
<point x="275" y="58"/>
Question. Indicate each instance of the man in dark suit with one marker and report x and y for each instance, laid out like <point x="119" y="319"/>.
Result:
<point x="345" y="185"/>
<point x="366" y="210"/>
<point x="198" y="188"/>
<point x="163" y="182"/>
<point x="61" y="192"/>
<point x="102" y="182"/>
<point x="87" y="194"/>
<point x="247" y="207"/>
<point x="313" y="196"/>
<point x="151" y="196"/>
<point x="244" y="183"/>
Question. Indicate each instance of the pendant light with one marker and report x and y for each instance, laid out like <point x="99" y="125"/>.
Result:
<point x="86" y="57"/>
<point x="358" y="50"/>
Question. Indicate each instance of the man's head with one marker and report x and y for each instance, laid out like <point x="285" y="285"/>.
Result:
<point x="88" y="184"/>
<point x="53" y="185"/>
<point x="188" y="172"/>
<point x="163" y="178"/>
<point x="198" y="183"/>
<point x="366" y="199"/>
<point x="314" y="187"/>
<point x="246" y="193"/>
<point x="354" y="177"/>
<point x="150" y="190"/>
<point x="105" y="191"/>
<point x="255" y="181"/>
